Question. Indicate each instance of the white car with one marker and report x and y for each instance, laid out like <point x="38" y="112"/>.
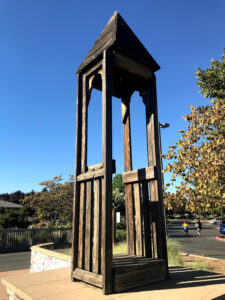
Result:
<point x="215" y="221"/>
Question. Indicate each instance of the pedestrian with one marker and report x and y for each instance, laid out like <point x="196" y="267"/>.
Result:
<point x="185" y="227"/>
<point x="198" y="226"/>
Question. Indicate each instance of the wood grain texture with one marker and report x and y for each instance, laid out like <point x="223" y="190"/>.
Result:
<point x="129" y="200"/>
<point x="153" y="144"/>
<point x="107" y="160"/>
<point x="89" y="277"/>
<point x="76" y="202"/>
<point x="139" y="233"/>
<point x="132" y="66"/>
<point x="97" y="227"/>
<point x="139" y="175"/>
<point x="81" y="236"/>
<point x="88" y="226"/>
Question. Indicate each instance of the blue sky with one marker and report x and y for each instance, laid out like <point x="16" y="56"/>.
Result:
<point x="43" y="42"/>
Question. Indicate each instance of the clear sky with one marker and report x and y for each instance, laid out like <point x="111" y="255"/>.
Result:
<point x="42" y="43"/>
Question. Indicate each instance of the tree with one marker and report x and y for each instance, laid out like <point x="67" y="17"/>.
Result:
<point x="199" y="155"/>
<point x="118" y="193"/>
<point x="54" y="203"/>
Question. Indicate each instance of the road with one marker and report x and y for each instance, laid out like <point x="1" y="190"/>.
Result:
<point x="14" y="261"/>
<point x="205" y="245"/>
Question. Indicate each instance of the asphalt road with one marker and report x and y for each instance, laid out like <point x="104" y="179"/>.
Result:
<point x="205" y="245"/>
<point x="14" y="261"/>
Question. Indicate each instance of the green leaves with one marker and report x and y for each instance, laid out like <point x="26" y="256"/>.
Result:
<point x="199" y="155"/>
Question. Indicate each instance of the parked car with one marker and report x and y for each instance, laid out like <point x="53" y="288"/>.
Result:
<point x="222" y="227"/>
<point x="216" y="221"/>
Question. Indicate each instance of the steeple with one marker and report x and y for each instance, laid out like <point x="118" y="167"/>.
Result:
<point x="118" y="34"/>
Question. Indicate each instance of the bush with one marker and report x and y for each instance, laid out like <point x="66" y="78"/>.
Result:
<point x="174" y="257"/>
<point x="120" y="235"/>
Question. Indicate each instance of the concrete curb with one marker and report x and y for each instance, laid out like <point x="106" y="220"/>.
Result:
<point x="200" y="256"/>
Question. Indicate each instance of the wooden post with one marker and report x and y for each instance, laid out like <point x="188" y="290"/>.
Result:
<point x="129" y="201"/>
<point x="158" y="222"/>
<point x="107" y="162"/>
<point x="76" y="202"/>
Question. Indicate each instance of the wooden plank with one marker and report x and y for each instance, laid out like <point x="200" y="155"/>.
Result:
<point x="102" y="227"/>
<point x="76" y="202"/>
<point x="95" y="172"/>
<point x="154" y="158"/>
<point x="126" y="263"/>
<point x="90" y="175"/>
<point x="84" y="127"/>
<point x="107" y="160"/>
<point x="129" y="201"/>
<point x="81" y="225"/>
<point x="88" y="226"/>
<point x="88" y="277"/>
<point x="97" y="227"/>
<point x="139" y="175"/>
<point x="139" y="234"/>
<point x="132" y="66"/>
<point x="146" y="219"/>
<point x="125" y="281"/>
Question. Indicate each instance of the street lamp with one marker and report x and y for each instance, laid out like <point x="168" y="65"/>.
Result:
<point x="162" y="125"/>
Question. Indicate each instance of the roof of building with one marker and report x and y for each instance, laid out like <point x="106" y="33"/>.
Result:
<point x="8" y="204"/>
<point x="118" y="34"/>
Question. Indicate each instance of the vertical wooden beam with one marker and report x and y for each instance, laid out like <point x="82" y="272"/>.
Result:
<point x="129" y="201"/>
<point x="146" y="217"/>
<point x="97" y="227"/>
<point x="138" y="209"/>
<point x="82" y="217"/>
<point x="107" y="161"/>
<point x="88" y="226"/>
<point x="76" y="204"/>
<point x="159" y="235"/>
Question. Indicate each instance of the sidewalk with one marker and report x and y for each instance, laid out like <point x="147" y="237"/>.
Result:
<point x="183" y="284"/>
<point x="3" y="294"/>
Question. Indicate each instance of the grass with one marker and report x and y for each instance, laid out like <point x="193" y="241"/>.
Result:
<point x="174" y="257"/>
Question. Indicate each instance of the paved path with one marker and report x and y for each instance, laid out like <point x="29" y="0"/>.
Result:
<point x="205" y="245"/>
<point x="14" y="261"/>
<point x="183" y="284"/>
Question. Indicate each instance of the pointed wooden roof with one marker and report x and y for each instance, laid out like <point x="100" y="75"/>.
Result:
<point x="119" y="35"/>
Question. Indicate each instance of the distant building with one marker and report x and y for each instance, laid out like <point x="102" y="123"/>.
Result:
<point x="9" y="205"/>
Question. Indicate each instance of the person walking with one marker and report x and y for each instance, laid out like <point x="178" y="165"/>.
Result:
<point x="198" y="226"/>
<point x="185" y="227"/>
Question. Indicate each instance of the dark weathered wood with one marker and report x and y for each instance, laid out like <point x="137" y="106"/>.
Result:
<point x="84" y="126"/>
<point x="95" y="172"/>
<point x="119" y="35"/>
<point x="129" y="201"/>
<point x="132" y="66"/>
<point x="130" y="263"/>
<point x="81" y="237"/>
<point x="153" y="145"/>
<point x="107" y="161"/>
<point x="88" y="226"/>
<point x="76" y="202"/>
<point x="139" y="175"/>
<point x="146" y="219"/>
<point x="125" y="281"/>
<point x="97" y="228"/>
<point x="88" y="277"/>
<point x="139" y="233"/>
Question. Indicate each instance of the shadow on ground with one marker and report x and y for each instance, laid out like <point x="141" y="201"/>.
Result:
<point x="183" y="277"/>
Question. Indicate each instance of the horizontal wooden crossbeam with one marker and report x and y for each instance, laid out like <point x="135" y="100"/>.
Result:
<point x="88" y="277"/>
<point x="95" y="171"/>
<point x="132" y="66"/>
<point x="148" y="173"/>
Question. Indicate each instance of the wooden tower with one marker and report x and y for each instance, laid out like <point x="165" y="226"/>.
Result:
<point x="118" y="64"/>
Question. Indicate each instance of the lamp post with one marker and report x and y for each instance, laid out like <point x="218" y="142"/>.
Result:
<point x="162" y="125"/>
